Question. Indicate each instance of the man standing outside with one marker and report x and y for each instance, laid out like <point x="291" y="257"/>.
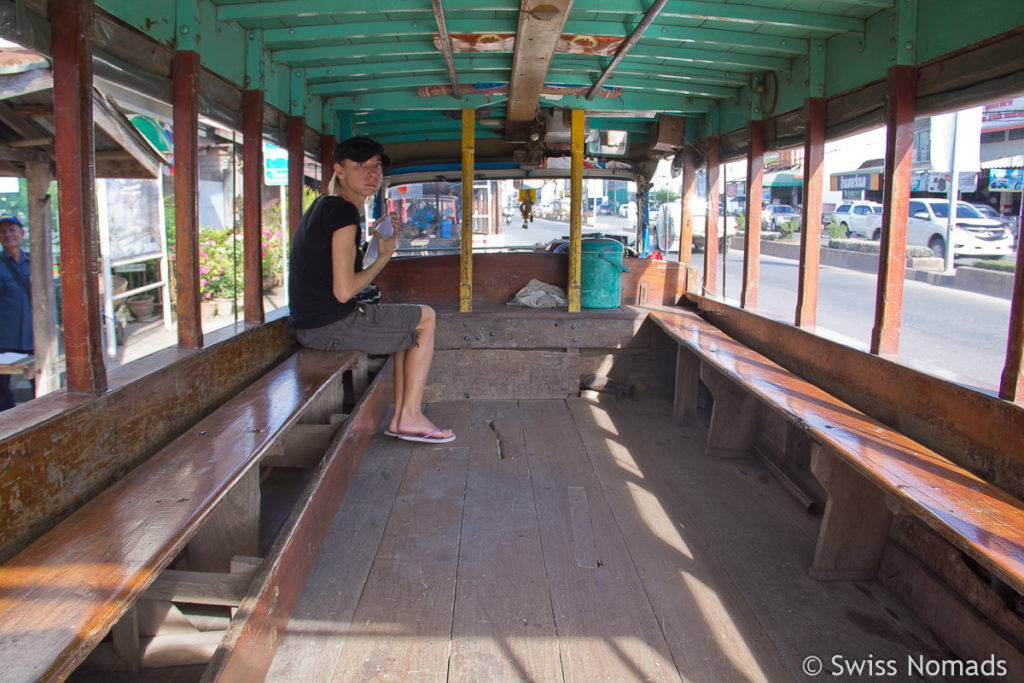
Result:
<point x="15" y="298"/>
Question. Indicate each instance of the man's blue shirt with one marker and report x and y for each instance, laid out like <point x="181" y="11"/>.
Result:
<point x="15" y="306"/>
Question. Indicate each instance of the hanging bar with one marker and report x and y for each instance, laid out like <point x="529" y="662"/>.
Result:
<point x="576" y="209"/>
<point x="252" y="202"/>
<point x="752" y="233"/>
<point x="626" y="45"/>
<point x="901" y="95"/>
<point x="810" y="234"/>
<point x="446" y="47"/>
<point x="466" y="259"/>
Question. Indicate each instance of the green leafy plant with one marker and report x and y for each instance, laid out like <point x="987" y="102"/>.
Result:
<point x="869" y="247"/>
<point x="1002" y="265"/>
<point x="834" y="230"/>
<point x="789" y="228"/>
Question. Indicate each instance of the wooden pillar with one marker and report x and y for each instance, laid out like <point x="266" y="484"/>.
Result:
<point x="252" y="202"/>
<point x="327" y="145"/>
<point x="810" y="234"/>
<point x="466" y="258"/>
<point x="296" y="126"/>
<point x="44" y="302"/>
<point x="186" y="196"/>
<point x="71" y="37"/>
<point x="1011" y="387"/>
<point x="576" y="209"/>
<point x="711" y="226"/>
<point x="752" y="231"/>
<point x="899" y="118"/>
<point x="690" y="198"/>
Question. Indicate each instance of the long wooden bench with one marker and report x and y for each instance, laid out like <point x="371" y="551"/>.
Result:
<point x="61" y="595"/>
<point x="866" y="468"/>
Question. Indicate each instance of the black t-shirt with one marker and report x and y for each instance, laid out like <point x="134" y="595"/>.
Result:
<point x="311" y="297"/>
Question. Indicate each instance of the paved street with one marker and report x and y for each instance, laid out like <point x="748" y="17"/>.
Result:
<point x="947" y="332"/>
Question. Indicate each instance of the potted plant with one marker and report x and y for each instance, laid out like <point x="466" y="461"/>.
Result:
<point x="218" y="276"/>
<point x="141" y="305"/>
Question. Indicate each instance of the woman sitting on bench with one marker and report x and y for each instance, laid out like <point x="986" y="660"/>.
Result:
<point x="330" y="293"/>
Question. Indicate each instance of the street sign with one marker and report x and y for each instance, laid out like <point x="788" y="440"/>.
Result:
<point x="275" y="165"/>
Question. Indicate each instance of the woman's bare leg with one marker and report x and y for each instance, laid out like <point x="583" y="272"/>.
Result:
<point x="398" y="361"/>
<point x="415" y="368"/>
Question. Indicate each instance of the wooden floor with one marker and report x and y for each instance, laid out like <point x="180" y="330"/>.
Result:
<point x="576" y="540"/>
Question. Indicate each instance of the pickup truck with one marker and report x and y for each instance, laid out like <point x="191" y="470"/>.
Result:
<point x="860" y="219"/>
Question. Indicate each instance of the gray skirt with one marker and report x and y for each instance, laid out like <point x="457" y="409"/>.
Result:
<point x="372" y="328"/>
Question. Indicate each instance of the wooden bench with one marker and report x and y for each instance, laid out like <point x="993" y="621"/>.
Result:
<point x="866" y="467"/>
<point x="61" y="595"/>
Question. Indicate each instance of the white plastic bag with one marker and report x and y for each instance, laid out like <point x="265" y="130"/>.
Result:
<point x="385" y="230"/>
<point x="537" y="294"/>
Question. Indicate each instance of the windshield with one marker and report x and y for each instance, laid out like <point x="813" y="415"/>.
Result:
<point x="430" y="213"/>
<point x="963" y="210"/>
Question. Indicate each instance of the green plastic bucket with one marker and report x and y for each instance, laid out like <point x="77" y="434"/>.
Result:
<point x="601" y="272"/>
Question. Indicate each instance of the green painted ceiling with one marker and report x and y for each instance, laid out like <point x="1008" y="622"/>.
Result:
<point x="351" y="67"/>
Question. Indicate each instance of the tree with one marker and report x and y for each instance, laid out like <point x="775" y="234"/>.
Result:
<point x="666" y="195"/>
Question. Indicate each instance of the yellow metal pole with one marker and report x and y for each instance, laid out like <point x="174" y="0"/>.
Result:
<point x="466" y="262"/>
<point x="576" y="210"/>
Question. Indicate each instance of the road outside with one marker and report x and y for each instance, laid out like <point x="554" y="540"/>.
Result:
<point x="946" y="332"/>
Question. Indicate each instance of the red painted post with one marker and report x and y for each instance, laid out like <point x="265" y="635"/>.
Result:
<point x="186" y="196"/>
<point x="1011" y="387"/>
<point x="752" y="230"/>
<point x="810" y="233"/>
<point x="252" y="202"/>
<point x="690" y="198"/>
<point x="892" y="262"/>
<point x="327" y="144"/>
<point x="296" y="159"/>
<point x="711" y="234"/>
<point x="71" y="28"/>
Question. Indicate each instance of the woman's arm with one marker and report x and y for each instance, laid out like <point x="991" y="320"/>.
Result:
<point x="346" y="283"/>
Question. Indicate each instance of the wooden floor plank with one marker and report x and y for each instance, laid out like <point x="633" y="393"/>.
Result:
<point x="766" y="555"/>
<point x="711" y="630"/>
<point x="403" y="622"/>
<point x="606" y="627"/>
<point x="503" y="626"/>
<point x="320" y="622"/>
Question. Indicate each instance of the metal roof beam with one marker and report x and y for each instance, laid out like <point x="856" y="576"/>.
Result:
<point x="627" y="45"/>
<point x="446" y="47"/>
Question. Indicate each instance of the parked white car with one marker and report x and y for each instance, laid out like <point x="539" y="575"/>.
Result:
<point x="973" y="234"/>
<point x="859" y="219"/>
<point x="665" y="230"/>
<point x="774" y="215"/>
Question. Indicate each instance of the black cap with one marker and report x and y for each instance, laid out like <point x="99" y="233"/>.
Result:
<point x="360" y="148"/>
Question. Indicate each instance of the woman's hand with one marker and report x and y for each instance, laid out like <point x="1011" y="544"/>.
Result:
<point x="386" y="246"/>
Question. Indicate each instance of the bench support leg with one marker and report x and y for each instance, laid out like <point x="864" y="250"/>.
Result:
<point x="232" y="529"/>
<point x="733" y="416"/>
<point x="856" y="524"/>
<point x="125" y="636"/>
<point x="684" y="410"/>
